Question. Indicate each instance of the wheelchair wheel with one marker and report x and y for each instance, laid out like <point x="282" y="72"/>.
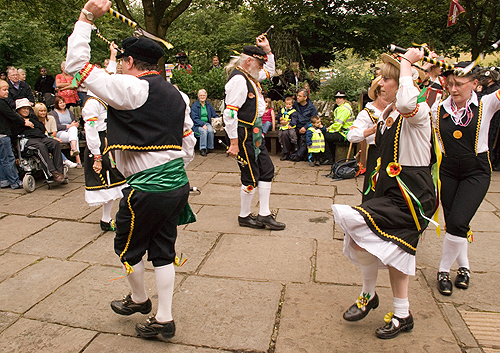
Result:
<point x="29" y="183"/>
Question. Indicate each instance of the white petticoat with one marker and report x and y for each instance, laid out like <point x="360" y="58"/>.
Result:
<point x="356" y="230"/>
<point x="101" y="196"/>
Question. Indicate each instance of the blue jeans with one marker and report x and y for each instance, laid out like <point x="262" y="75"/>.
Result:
<point x="266" y="126"/>
<point x="8" y="171"/>
<point x="206" y="137"/>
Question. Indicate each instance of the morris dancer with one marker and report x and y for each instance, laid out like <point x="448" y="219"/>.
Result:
<point x="462" y="122"/>
<point x="384" y="231"/>
<point x="149" y="130"/>
<point x="103" y="182"/>
<point x="245" y="106"/>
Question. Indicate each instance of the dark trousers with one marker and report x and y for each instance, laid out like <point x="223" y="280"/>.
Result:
<point x="331" y="138"/>
<point x="261" y="168"/>
<point x="464" y="183"/>
<point x="288" y="140"/>
<point x="42" y="147"/>
<point x="147" y="221"/>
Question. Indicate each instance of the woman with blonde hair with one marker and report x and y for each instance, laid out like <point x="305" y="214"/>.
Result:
<point x="383" y="232"/>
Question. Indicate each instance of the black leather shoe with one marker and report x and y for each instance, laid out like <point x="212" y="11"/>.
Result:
<point x="153" y="328"/>
<point x="463" y="277"/>
<point x="203" y="152"/>
<point x="354" y="313"/>
<point x="108" y="226"/>
<point x="270" y="222"/>
<point x="249" y="221"/>
<point x="444" y="283"/>
<point x="390" y="330"/>
<point x="285" y="157"/>
<point x="127" y="307"/>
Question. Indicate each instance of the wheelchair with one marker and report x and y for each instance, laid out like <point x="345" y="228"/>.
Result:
<point x="30" y="166"/>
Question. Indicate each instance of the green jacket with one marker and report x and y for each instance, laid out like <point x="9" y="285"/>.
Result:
<point x="343" y="117"/>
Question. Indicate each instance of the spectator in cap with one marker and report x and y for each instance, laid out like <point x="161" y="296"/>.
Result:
<point x="343" y="117"/>
<point x="149" y="135"/>
<point x="245" y="106"/>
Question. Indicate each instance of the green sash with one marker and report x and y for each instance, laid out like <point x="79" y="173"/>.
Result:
<point x="256" y="131"/>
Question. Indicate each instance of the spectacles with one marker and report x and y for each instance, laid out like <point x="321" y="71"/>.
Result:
<point x="457" y="84"/>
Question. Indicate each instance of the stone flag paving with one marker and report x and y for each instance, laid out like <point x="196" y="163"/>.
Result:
<point x="241" y="289"/>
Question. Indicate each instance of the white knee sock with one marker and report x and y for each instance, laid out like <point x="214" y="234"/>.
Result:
<point x="106" y="211"/>
<point x="401" y="307"/>
<point x="463" y="258"/>
<point x="165" y="278"/>
<point x="452" y="245"/>
<point x="246" y="201"/>
<point x="369" y="271"/>
<point x="264" y="194"/>
<point x="136" y="281"/>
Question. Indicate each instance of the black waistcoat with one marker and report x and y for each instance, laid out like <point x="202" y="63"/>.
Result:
<point x="248" y="111"/>
<point x="155" y="126"/>
<point x="459" y="140"/>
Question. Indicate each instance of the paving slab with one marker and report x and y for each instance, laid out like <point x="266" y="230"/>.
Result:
<point x="296" y="176"/>
<point x="7" y="319"/>
<point x="71" y="206"/>
<point x="96" y="215"/>
<point x="84" y="302"/>
<point x="226" y="313"/>
<point x="227" y="179"/>
<point x="16" y="228"/>
<point x="311" y="321"/>
<point x="216" y="162"/>
<point x="485" y="221"/>
<point x="12" y="263"/>
<point x="119" y="344"/>
<point x="99" y="251"/>
<point x="484" y="326"/>
<point x="195" y="246"/>
<point x="306" y="224"/>
<point x="223" y="219"/>
<point x="217" y="194"/>
<point x="59" y="240"/>
<point x="303" y="189"/>
<point x="460" y="329"/>
<point x="482" y="288"/>
<point x="351" y="200"/>
<point x="262" y="258"/>
<point x="200" y="179"/>
<point x="333" y="267"/>
<point x="299" y="202"/>
<point x="42" y="337"/>
<point x="26" y="204"/>
<point x="58" y="190"/>
<point x="348" y="186"/>
<point x="27" y="287"/>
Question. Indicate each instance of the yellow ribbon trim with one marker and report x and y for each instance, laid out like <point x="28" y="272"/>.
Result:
<point x="132" y="221"/>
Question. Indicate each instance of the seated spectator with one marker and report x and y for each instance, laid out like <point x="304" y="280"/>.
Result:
<point x="202" y="113"/>
<point x="40" y="143"/>
<point x="22" y="75"/>
<point x="269" y="118"/>
<point x="65" y="90"/>
<point x="17" y="88"/>
<point x="49" y="122"/>
<point x="306" y="110"/>
<point x="3" y="76"/>
<point x="343" y="118"/>
<point x="8" y="119"/>
<point x="315" y="141"/>
<point x="287" y="135"/>
<point x="67" y="127"/>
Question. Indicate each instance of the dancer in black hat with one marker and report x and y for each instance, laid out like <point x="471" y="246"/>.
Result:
<point x="149" y="131"/>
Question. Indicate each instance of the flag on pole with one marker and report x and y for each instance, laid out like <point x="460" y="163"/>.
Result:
<point x="455" y="10"/>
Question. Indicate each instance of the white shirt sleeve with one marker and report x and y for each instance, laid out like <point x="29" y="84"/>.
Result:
<point x="92" y="109"/>
<point x="236" y="95"/>
<point x="111" y="68"/>
<point x="188" y="142"/>
<point x="269" y="67"/>
<point x="406" y="103"/>
<point x="356" y="133"/>
<point x="122" y="92"/>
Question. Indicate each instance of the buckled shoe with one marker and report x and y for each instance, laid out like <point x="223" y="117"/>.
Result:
<point x="463" y="277"/>
<point x="249" y="221"/>
<point x="108" y="226"/>
<point x="270" y="222"/>
<point x="127" y="307"/>
<point x="153" y="328"/>
<point x="361" y="308"/>
<point x="444" y="283"/>
<point x="394" y="327"/>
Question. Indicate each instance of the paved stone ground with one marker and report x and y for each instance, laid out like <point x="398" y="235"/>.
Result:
<point x="241" y="290"/>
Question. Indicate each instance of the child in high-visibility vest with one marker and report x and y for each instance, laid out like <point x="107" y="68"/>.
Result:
<point x="287" y="135"/>
<point x="315" y="141"/>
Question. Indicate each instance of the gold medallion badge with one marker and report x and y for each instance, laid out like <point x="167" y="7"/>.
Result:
<point x="457" y="134"/>
<point x="389" y="121"/>
<point x="251" y="95"/>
